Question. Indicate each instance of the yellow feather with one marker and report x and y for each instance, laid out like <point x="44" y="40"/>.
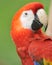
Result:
<point x="47" y="62"/>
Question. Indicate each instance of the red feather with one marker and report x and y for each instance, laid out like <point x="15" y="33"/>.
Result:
<point x="41" y="48"/>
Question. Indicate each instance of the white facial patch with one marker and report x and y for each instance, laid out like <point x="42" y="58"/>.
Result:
<point x="27" y="18"/>
<point x="42" y="16"/>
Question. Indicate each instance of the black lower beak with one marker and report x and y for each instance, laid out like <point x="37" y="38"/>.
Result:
<point x="36" y="25"/>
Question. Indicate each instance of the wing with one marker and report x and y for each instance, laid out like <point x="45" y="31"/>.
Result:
<point x="41" y="49"/>
<point x="47" y="54"/>
<point x="34" y="50"/>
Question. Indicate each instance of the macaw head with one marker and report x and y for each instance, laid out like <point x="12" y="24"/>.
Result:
<point x="32" y="17"/>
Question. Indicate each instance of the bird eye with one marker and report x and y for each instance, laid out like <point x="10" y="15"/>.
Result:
<point x="26" y="13"/>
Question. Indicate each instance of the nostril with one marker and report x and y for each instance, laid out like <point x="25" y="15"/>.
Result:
<point x="33" y="21"/>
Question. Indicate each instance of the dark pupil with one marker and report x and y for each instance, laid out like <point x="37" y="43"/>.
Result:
<point x="25" y="13"/>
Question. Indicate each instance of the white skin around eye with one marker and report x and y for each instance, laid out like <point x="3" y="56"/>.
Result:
<point x="27" y="18"/>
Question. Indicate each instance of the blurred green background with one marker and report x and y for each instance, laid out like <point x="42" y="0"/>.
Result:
<point x="7" y="10"/>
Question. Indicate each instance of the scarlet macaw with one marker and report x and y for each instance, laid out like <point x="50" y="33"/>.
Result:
<point x="26" y="32"/>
